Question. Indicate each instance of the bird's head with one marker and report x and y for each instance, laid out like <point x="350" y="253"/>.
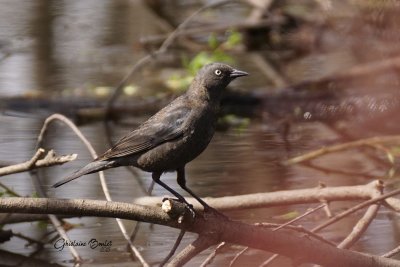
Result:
<point x="216" y="76"/>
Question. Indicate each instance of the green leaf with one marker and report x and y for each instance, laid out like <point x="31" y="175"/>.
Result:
<point x="213" y="41"/>
<point x="235" y="38"/>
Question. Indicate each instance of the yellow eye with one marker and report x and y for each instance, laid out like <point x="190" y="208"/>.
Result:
<point x="218" y="72"/>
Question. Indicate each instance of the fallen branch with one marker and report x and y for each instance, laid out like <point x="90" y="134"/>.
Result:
<point x="299" y="248"/>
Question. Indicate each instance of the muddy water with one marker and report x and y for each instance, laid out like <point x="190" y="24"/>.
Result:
<point x="72" y="46"/>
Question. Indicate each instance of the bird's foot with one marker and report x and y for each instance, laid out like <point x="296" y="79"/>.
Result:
<point x="188" y="207"/>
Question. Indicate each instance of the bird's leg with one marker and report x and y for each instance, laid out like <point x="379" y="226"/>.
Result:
<point x="156" y="178"/>
<point x="182" y="182"/>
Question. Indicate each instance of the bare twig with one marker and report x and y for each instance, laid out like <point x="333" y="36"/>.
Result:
<point x="327" y="209"/>
<point x="392" y="252"/>
<point x="213" y="254"/>
<point x="363" y="223"/>
<point x="300" y="217"/>
<point x="29" y="239"/>
<point x="35" y="162"/>
<point x="300" y="229"/>
<point x="273" y="257"/>
<point x="269" y="260"/>
<point x="355" y="208"/>
<point x="344" y="146"/>
<point x="200" y="244"/>
<point x="237" y="256"/>
<point x="174" y="248"/>
<point x="9" y="191"/>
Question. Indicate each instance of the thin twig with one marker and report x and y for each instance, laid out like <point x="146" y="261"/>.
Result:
<point x="200" y="244"/>
<point x="355" y="208"/>
<point x="300" y="229"/>
<point x="364" y="222"/>
<point x="29" y="239"/>
<point x="9" y="191"/>
<point x="269" y="260"/>
<point x="300" y="217"/>
<point x="392" y="252"/>
<point x="213" y="254"/>
<point x="240" y="253"/>
<point x="35" y="162"/>
<point x="174" y="248"/>
<point x="344" y="146"/>
<point x="276" y="229"/>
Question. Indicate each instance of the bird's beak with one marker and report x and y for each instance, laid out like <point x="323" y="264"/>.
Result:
<point x="237" y="73"/>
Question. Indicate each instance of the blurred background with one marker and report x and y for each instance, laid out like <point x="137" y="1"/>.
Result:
<point x="321" y="72"/>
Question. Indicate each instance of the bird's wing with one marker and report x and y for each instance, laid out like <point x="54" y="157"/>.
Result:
<point x="167" y="125"/>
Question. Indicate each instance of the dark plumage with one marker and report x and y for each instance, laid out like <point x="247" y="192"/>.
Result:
<point x="175" y="135"/>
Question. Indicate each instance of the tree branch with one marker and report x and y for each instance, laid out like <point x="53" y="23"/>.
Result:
<point x="362" y="224"/>
<point x="284" y="197"/>
<point x="343" y="146"/>
<point x="240" y="233"/>
<point x="49" y="160"/>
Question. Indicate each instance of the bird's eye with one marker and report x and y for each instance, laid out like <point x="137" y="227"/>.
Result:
<point x="218" y="72"/>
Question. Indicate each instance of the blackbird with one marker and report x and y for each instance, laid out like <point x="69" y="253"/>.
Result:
<point x="174" y="136"/>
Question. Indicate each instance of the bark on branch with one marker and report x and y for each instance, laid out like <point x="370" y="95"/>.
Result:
<point x="300" y="248"/>
<point x="285" y="197"/>
<point x="37" y="162"/>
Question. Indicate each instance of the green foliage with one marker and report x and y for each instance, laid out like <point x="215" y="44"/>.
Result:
<point x="217" y="53"/>
<point x="203" y="58"/>
<point x="234" y="39"/>
<point x="213" y="41"/>
<point x="239" y="124"/>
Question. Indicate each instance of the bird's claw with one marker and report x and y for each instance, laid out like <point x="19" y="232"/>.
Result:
<point x="183" y="201"/>
<point x="191" y="209"/>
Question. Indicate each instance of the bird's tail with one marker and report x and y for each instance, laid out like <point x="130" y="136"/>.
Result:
<point x="94" y="166"/>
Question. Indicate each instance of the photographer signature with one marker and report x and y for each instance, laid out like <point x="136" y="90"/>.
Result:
<point x="93" y="243"/>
